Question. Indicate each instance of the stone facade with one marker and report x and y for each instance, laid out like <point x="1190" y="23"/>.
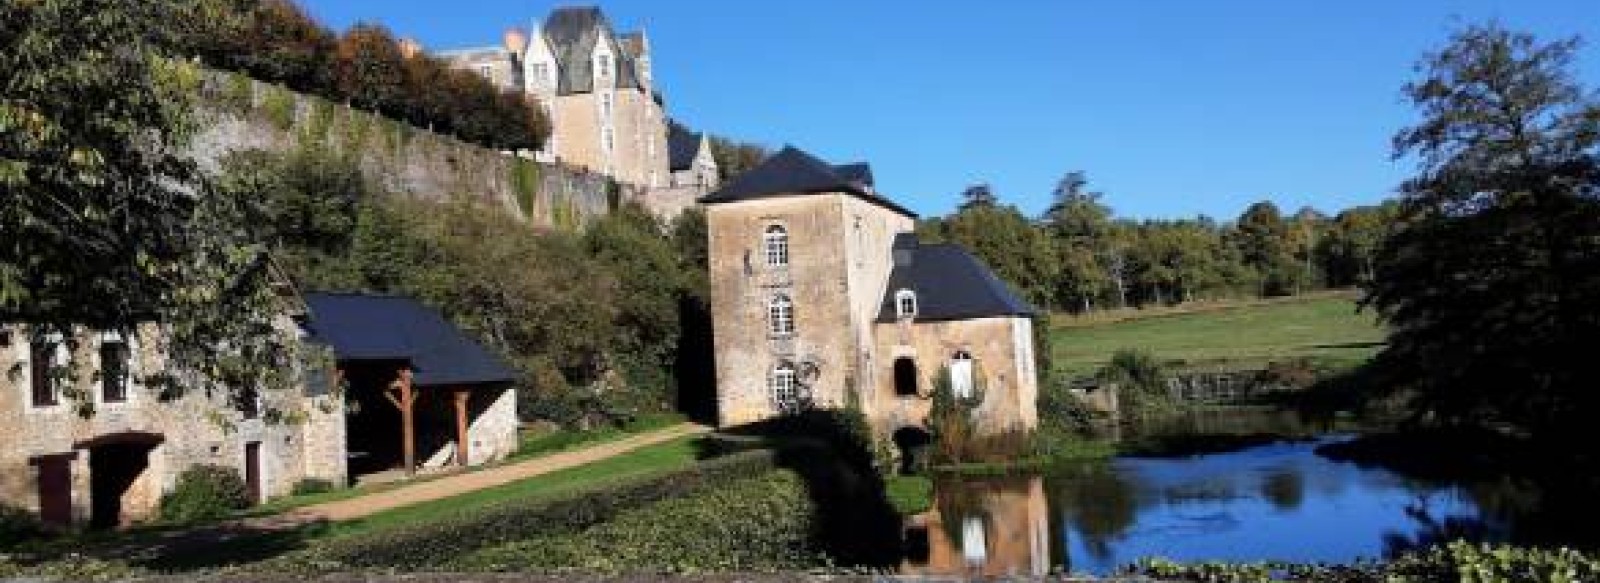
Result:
<point x="120" y="459"/>
<point x="814" y="318"/>
<point x="595" y="84"/>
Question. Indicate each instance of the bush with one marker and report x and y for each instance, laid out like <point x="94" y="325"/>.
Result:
<point x="1457" y="561"/>
<point x="203" y="493"/>
<point x="440" y="541"/>
<point x="762" y="523"/>
<point x="309" y="486"/>
<point x="17" y="525"/>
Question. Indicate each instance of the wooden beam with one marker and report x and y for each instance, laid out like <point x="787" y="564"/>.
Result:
<point x="406" y="401"/>
<point x="462" y="395"/>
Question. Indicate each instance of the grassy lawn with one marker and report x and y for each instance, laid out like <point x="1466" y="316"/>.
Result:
<point x="655" y="459"/>
<point x="1324" y="327"/>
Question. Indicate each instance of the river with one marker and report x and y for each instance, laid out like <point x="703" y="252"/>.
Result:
<point x="1275" y="501"/>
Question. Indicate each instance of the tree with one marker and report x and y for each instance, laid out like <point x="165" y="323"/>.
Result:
<point x="1080" y="226"/>
<point x="1490" y="278"/>
<point x="735" y="157"/>
<point x="978" y="195"/>
<point x="1262" y="237"/>
<point x="1003" y="238"/>
<point x="370" y="70"/>
<point x="104" y="222"/>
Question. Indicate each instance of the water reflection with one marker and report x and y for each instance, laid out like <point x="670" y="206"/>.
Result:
<point x="990" y="527"/>
<point x="1273" y="502"/>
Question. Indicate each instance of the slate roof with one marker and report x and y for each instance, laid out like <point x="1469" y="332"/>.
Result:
<point x="792" y="171"/>
<point x="949" y="282"/>
<point x="682" y="147"/>
<point x="859" y="172"/>
<point x="371" y="327"/>
<point x="572" y="34"/>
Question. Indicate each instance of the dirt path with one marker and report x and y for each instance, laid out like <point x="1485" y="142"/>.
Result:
<point x="445" y="487"/>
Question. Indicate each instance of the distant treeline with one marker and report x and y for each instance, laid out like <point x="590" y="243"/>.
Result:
<point x="276" y="41"/>
<point x="1079" y="257"/>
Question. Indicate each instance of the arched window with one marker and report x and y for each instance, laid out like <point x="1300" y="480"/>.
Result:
<point x="905" y="304"/>
<point x="776" y="242"/>
<point x="780" y="316"/>
<point x="961" y="374"/>
<point x="785" y="391"/>
<point x="905" y="377"/>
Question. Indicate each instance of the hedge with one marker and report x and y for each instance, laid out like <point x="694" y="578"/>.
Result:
<point x="759" y="524"/>
<point x="440" y="541"/>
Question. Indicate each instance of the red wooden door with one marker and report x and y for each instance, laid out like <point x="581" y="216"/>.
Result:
<point x="55" y="490"/>
<point x="252" y="470"/>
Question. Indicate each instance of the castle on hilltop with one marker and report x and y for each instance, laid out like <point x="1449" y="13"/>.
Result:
<point x="596" y="86"/>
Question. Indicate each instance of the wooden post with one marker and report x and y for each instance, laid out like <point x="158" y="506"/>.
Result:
<point x="461" y="425"/>
<point x="406" y="401"/>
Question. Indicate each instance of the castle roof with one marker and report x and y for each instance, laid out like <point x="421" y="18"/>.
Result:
<point x="375" y="327"/>
<point x="792" y="172"/>
<point x="949" y="282"/>
<point x="572" y="34"/>
<point x="682" y="147"/>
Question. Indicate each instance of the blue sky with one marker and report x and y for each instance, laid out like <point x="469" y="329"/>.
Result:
<point x="1173" y="108"/>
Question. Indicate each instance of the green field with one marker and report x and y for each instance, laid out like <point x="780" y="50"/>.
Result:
<point x="1324" y="328"/>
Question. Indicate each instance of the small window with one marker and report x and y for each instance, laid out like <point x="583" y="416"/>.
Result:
<point x="604" y="66"/>
<point x="780" y="316"/>
<point x="905" y="304"/>
<point x="606" y="106"/>
<point x="785" y="391"/>
<point x="44" y="357"/>
<point x="541" y="75"/>
<point x="905" y="377"/>
<point x="776" y="241"/>
<point x="116" y="360"/>
<point x="607" y="140"/>
<point x="961" y="374"/>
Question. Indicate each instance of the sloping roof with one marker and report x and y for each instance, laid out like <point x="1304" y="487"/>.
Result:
<point x="369" y="327"/>
<point x="791" y="172"/>
<point x="950" y="284"/>
<point x="573" y="33"/>
<point x="859" y="172"/>
<point x="682" y="147"/>
<point x="632" y="43"/>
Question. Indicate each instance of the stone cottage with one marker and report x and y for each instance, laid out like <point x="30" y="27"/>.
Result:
<point x="109" y="468"/>
<point x="820" y="288"/>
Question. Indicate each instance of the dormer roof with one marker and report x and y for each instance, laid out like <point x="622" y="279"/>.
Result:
<point x="792" y="172"/>
<point x="683" y="146"/>
<point x="949" y="283"/>
<point x="572" y="34"/>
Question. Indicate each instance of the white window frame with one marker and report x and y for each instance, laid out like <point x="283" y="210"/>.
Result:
<point x="540" y="74"/>
<point x="63" y="358"/>
<point x="602" y="65"/>
<point x="905" y="304"/>
<point x="775" y="245"/>
<point x="780" y="316"/>
<point x="784" y="387"/>
<point x="131" y="341"/>
<point x="962" y="374"/>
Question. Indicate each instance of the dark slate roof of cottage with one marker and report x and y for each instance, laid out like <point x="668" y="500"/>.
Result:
<point x="573" y="33"/>
<point x="859" y="172"/>
<point x="950" y="284"/>
<point x="370" y="327"/>
<point x="682" y="147"/>
<point x="792" y="171"/>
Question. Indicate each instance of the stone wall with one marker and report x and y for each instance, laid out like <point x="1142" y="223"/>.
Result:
<point x="1009" y="396"/>
<point x="239" y="113"/>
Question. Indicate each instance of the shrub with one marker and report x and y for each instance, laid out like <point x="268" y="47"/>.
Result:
<point x="440" y="541"/>
<point x="309" y="486"/>
<point x="1457" y="561"/>
<point x="754" y="524"/>
<point x="16" y="525"/>
<point x="204" y="492"/>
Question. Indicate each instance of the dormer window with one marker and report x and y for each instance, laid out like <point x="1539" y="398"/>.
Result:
<point x="776" y="241"/>
<point x="905" y="304"/>
<point x="541" y="75"/>
<point x="603" y="66"/>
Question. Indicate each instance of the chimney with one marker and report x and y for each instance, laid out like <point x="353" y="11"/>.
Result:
<point x="516" y="40"/>
<point x="904" y="248"/>
<point x="410" y="48"/>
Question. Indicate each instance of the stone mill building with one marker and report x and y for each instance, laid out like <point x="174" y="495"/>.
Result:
<point x="85" y="442"/>
<point x="820" y="288"/>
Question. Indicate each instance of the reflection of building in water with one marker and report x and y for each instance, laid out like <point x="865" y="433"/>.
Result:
<point x="985" y="528"/>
